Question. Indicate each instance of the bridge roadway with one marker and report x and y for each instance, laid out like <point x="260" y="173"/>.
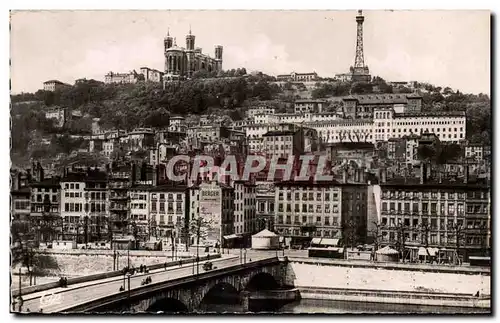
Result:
<point x="65" y="298"/>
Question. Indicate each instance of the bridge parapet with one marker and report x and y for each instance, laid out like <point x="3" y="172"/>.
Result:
<point x="189" y="291"/>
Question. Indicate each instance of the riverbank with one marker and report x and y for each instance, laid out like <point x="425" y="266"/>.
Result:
<point x="393" y="283"/>
<point x="395" y="297"/>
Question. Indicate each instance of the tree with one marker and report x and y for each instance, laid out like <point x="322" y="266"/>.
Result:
<point x="198" y="228"/>
<point x="449" y="153"/>
<point x="401" y="239"/>
<point x="426" y="153"/>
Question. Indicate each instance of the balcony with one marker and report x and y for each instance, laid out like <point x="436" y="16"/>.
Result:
<point x="118" y="186"/>
<point x="118" y="208"/>
<point x="118" y="197"/>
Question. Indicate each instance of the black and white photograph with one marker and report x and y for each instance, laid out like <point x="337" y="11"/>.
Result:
<point x="184" y="162"/>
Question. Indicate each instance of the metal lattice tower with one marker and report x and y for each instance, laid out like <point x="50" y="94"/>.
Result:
<point x="359" y="62"/>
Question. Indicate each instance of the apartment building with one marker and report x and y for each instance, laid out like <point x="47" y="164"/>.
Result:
<point x="97" y="204"/>
<point x="138" y="204"/>
<point x="75" y="221"/>
<point x="167" y="210"/>
<point x="214" y="202"/>
<point x="439" y="213"/>
<point x="308" y="209"/>
<point x="245" y="217"/>
<point x="45" y="213"/>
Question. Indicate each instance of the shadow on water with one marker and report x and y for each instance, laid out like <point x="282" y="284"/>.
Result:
<point x="346" y="307"/>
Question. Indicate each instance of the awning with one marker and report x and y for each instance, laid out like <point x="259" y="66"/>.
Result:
<point x="431" y="252"/>
<point x="387" y="251"/>
<point x="231" y="236"/>
<point x="325" y="242"/>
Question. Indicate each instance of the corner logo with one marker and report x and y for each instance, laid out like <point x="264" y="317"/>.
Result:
<point x="50" y="299"/>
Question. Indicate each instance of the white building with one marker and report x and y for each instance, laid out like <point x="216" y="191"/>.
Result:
<point x="261" y="109"/>
<point x="214" y="202"/>
<point x="309" y="105"/>
<point x="151" y="75"/>
<point x="73" y="204"/>
<point x="121" y="78"/>
<point x="167" y="210"/>
<point x="386" y="124"/>
<point x="138" y="204"/>
<point x="244" y="208"/>
<point x="58" y="115"/>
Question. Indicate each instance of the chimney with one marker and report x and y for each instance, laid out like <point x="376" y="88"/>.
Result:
<point x="156" y="171"/>
<point x="132" y="177"/>
<point x="17" y="183"/>
<point x="422" y="173"/>
<point x="466" y="174"/>
<point x="344" y="175"/>
<point x="362" y="175"/>
<point x="384" y="175"/>
<point x="440" y="177"/>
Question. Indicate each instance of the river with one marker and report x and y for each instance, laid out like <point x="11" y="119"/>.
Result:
<point x="311" y="306"/>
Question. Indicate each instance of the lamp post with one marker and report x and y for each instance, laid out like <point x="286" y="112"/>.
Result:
<point x="401" y="238"/>
<point x="128" y="295"/>
<point x="458" y="229"/>
<point x="128" y="254"/>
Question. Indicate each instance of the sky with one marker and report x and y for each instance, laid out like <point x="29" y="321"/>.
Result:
<point x="445" y="48"/>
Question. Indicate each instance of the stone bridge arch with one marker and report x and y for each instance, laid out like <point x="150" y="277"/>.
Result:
<point x="189" y="296"/>
<point x="167" y="305"/>
<point x="262" y="281"/>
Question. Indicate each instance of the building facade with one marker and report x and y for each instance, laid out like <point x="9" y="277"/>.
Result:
<point x="54" y="85"/>
<point x="151" y="75"/>
<point x="453" y="215"/>
<point x="183" y="62"/>
<point x="121" y="78"/>
<point x="306" y="210"/>
<point x="297" y="77"/>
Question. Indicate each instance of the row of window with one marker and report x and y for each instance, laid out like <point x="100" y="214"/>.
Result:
<point x="391" y="206"/>
<point x="393" y="194"/>
<point x="72" y="186"/>
<point x="92" y="207"/>
<point x="433" y="224"/>
<point x="46" y="190"/>
<point x="433" y="238"/>
<point x="308" y="219"/>
<point x="21" y="205"/>
<point x="170" y="205"/>
<point x="170" y="196"/>
<point x="309" y="196"/>
<point x="44" y="199"/>
<point x="309" y="208"/>
<point x="298" y="233"/>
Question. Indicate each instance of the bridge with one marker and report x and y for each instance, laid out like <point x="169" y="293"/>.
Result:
<point x="174" y="289"/>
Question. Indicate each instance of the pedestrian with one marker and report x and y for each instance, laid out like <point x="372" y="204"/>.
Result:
<point x="165" y="266"/>
<point x="180" y="263"/>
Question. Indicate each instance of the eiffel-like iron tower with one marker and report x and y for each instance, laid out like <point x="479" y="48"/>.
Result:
<point x="360" y="70"/>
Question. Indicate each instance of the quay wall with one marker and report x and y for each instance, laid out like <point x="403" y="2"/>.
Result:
<point x="310" y="273"/>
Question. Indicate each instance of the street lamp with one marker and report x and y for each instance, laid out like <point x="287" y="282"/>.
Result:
<point x="458" y="229"/>
<point x="128" y="254"/>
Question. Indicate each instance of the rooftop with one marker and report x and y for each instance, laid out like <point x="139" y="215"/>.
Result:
<point x="279" y="133"/>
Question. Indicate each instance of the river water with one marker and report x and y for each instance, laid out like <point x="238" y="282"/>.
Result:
<point x="344" y="307"/>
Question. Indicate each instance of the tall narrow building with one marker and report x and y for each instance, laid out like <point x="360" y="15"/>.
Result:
<point x="360" y="72"/>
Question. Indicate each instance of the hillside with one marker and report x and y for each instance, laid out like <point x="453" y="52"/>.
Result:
<point x="127" y="106"/>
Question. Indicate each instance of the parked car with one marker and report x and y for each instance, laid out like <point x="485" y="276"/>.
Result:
<point x="207" y="266"/>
